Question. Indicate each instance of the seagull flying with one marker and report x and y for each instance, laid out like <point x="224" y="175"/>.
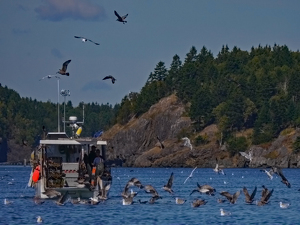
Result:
<point x="168" y="186"/>
<point x="63" y="199"/>
<point x="63" y="70"/>
<point x="265" y="195"/>
<point x="190" y="176"/>
<point x="83" y="39"/>
<point x="217" y="169"/>
<point x="187" y="143"/>
<point x="207" y="189"/>
<point x="269" y="173"/>
<point x="231" y="198"/>
<point x="247" y="156"/>
<point x="249" y="199"/>
<point x="134" y="182"/>
<point x="121" y="19"/>
<point x="110" y="77"/>
<point x="150" y="189"/>
<point x="278" y="171"/>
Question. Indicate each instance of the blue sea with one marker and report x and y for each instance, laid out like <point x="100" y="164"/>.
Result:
<point x="24" y="211"/>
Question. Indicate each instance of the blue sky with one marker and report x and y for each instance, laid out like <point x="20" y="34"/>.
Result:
<point x="36" y="37"/>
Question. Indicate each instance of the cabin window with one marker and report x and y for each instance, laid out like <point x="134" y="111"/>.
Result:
<point x="69" y="153"/>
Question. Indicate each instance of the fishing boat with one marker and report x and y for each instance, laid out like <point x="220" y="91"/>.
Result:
<point x="60" y="164"/>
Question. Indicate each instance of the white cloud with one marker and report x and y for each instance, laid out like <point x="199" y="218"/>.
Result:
<point x="57" y="10"/>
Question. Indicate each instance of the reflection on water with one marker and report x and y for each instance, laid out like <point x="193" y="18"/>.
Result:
<point x="23" y="210"/>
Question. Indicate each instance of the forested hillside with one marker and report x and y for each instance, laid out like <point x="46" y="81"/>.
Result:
<point x="23" y="118"/>
<point x="236" y="90"/>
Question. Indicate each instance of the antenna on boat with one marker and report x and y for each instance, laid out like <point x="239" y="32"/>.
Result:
<point x="65" y="93"/>
<point x="83" y="113"/>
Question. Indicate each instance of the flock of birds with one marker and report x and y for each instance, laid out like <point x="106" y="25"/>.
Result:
<point x="63" y="70"/>
<point x="128" y="195"/>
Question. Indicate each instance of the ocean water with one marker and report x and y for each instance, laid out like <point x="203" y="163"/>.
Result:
<point x="24" y="211"/>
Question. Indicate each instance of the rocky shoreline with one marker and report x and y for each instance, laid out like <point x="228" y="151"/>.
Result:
<point x="137" y="144"/>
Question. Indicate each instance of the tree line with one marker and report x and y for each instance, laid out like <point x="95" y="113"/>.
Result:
<point x="23" y="119"/>
<point x="236" y="90"/>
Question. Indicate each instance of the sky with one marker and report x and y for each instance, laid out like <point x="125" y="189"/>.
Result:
<point x="37" y="37"/>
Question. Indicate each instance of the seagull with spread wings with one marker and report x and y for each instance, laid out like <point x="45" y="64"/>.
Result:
<point x="217" y="169"/>
<point x="110" y="77"/>
<point x="63" y="199"/>
<point x="204" y="189"/>
<point x="121" y="18"/>
<point x="63" y="70"/>
<point x="168" y="186"/>
<point x="269" y="173"/>
<point x="247" y="156"/>
<point x="190" y="176"/>
<point x="151" y="190"/>
<point x="187" y="143"/>
<point x="83" y="39"/>
<point x="278" y="171"/>
<point x="231" y="198"/>
<point x="249" y="198"/>
<point x="265" y="196"/>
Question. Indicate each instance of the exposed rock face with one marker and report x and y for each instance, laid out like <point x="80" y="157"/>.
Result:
<point x="137" y="143"/>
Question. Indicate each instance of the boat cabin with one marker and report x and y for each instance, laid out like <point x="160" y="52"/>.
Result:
<point x="61" y="159"/>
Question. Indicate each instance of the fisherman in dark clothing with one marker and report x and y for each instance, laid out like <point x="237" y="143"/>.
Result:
<point x="92" y="156"/>
<point x="85" y="159"/>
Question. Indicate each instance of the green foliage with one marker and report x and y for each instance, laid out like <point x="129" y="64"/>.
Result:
<point x="200" y="140"/>
<point x="23" y="118"/>
<point x="237" y="144"/>
<point x="160" y="73"/>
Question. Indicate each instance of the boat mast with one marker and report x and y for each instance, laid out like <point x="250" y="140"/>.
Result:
<point x="58" y="127"/>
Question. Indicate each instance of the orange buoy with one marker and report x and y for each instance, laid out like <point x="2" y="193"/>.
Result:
<point x="93" y="176"/>
<point x="36" y="174"/>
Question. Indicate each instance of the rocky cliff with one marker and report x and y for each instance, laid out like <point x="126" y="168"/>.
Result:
<point x="137" y="142"/>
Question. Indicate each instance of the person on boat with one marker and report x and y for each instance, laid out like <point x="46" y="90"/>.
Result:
<point x="98" y="159"/>
<point x="99" y="163"/>
<point x="85" y="159"/>
<point x="92" y="156"/>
